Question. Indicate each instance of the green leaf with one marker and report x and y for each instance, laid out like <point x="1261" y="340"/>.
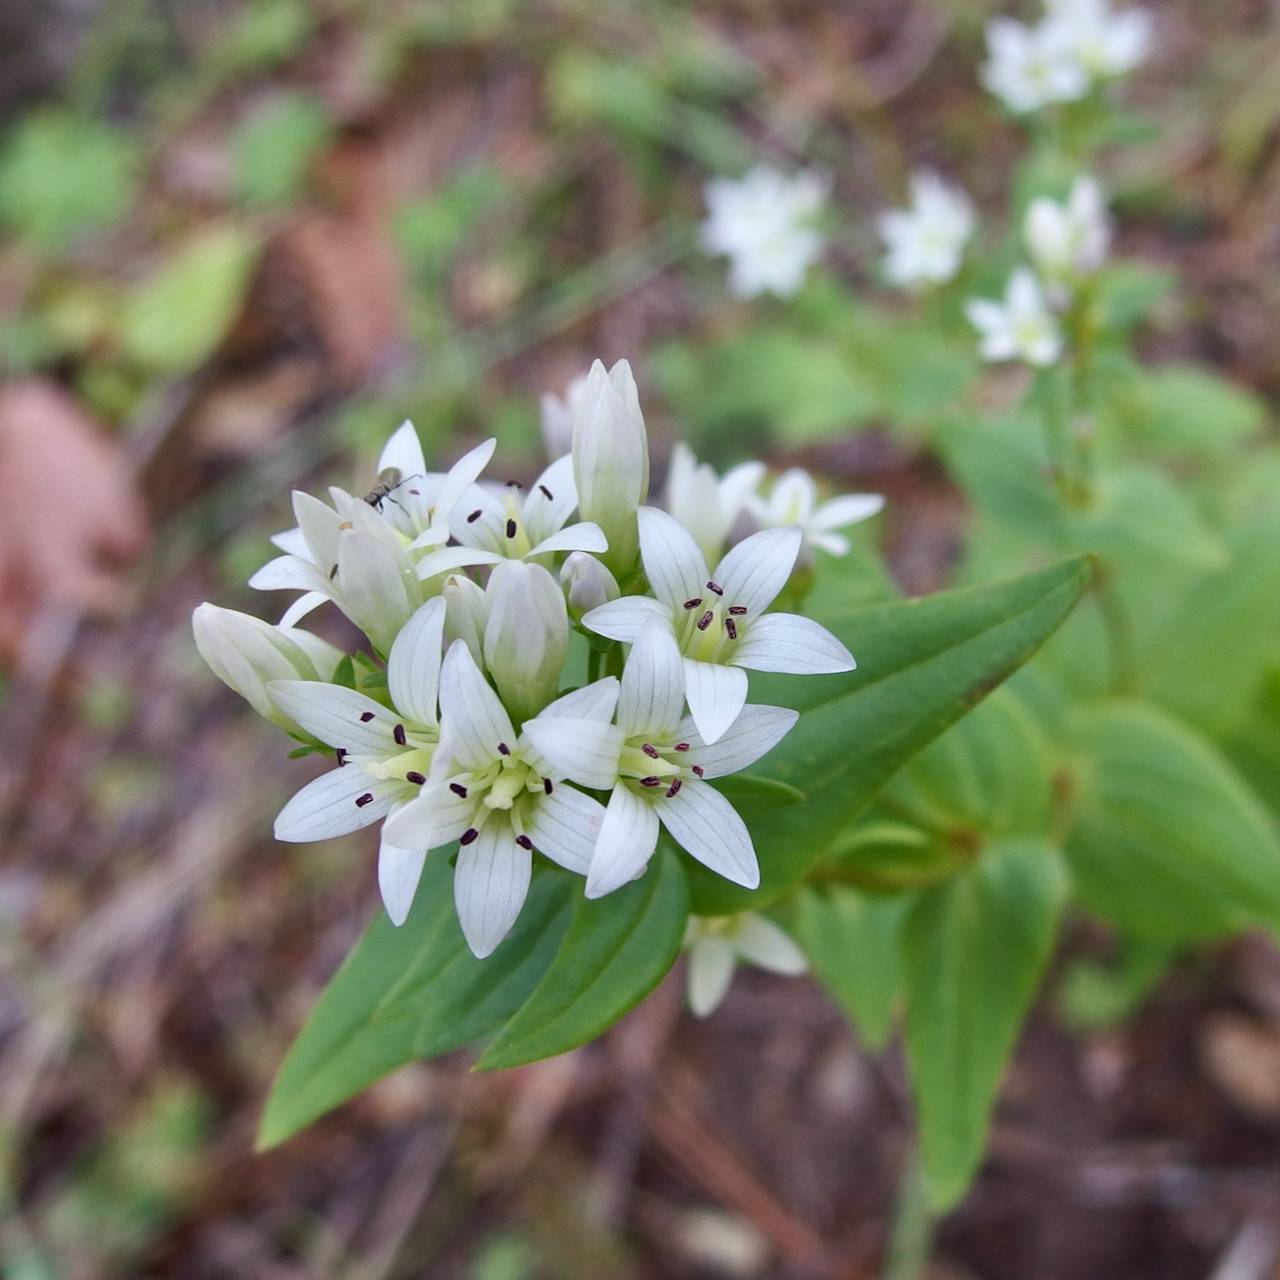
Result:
<point x="413" y="992"/>
<point x="1168" y="841"/>
<point x="751" y="795"/>
<point x="973" y="950"/>
<point x="177" y="316"/>
<point x="273" y="148"/>
<point x="617" y="950"/>
<point x="922" y="665"/>
<point x="61" y="176"/>
<point x="1094" y="997"/>
<point x="1182" y="410"/>
<point x="851" y="940"/>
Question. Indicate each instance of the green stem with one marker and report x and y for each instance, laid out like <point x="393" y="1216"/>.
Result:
<point x="1119" y="632"/>
<point x="594" y="658"/>
<point x="912" y="1238"/>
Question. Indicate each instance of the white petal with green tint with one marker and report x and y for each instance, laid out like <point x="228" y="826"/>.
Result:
<point x="469" y="708"/>
<point x="413" y="666"/>
<point x="672" y="562"/>
<point x="628" y="837"/>
<point x="564" y="827"/>
<point x="585" y="751"/>
<point x="490" y="884"/>
<point x="653" y="680"/>
<point x="338" y="716"/>
<point x="716" y="696"/>
<point x="756" y="731"/>
<point x="327" y="807"/>
<point x="625" y="618"/>
<point x="706" y="825"/>
<point x="790" y="643"/>
<point x="755" y="570"/>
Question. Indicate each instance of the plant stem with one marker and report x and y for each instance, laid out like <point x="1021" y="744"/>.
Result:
<point x="594" y="659"/>
<point x="912" y="1238"/>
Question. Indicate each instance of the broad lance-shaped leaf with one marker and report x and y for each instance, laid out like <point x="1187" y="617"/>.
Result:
<point x="1168" y="840"/>
<point x="921" y="665"/>
<point x="413" y="992"/>
<point x="618" y="948"/>
<point x="973" y="950"/>
<point x="851" y="940"/>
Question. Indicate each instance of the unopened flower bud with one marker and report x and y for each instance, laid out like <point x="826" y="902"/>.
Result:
<point x="526" y="636"/>
<point x="587" y="583"/>
<point x="611" y="460"/>
<point x="246" y="653"/>
<point x="465" y="614"/>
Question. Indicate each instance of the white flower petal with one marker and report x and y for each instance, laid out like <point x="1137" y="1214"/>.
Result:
<point x="319" y="523"/>
<point x="338" y="716"/>
<point x="583" y="536"/>
<point x="477" y="720"/>
<point x="716" y="696"/>
<point x="327" y="806"/>
<point x="447" y="559"/>
<point x="289" y="573"/>
<point x="753" y="734"/>
<point x="672" y="562"/>
<point x="628" y="836"/>
<point x="565" y="826"/>
<point x="788" y="642"/>
<point x="652" y="695"/>
<point x="490" y="884"/>
<point x="711" y="964"/>
<point x="462" y="475"/>
<point x="706" y="825"/>
<point x="374" y="594"/>
<point x="307" y="603"/>
<point x="847" y="509"/>
<point x="585" y="751"/>
<point x="625" y="618"/>
<point x="763" y="943"/>
<point x="404" y="452"/>
<point x="413" y="666"/>
<point x="595" y="701"/>
<point x="757" y="568"/>
<point x="434" y="817"/>
<point x="399" y="871"/>
<point x="543" y="514"/>
<point x="293" y="542"/>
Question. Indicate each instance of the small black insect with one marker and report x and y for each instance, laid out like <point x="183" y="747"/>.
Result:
<point x="388" y="481"/>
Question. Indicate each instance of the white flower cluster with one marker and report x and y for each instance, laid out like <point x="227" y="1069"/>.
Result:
<point x="925" y="242"/>
<point x="1068" y="243"/>
<point x="765" y="224"/>
<point x="1075" y="46"/>
<point x="469" y="735"/>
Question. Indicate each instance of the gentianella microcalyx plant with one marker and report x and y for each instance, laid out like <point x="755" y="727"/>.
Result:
<point x="593" y="732"/>
<point x="467" y="727"/>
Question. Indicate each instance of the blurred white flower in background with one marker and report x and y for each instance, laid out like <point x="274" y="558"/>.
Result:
<point x="1104" y="43"/>
<point x="925" y="242"/>
<point x="1022" y="326"/>
<point x="793" y="503"/>
<point x="1029" y="67"/>
<point x="705" y="503"/>
<point x="557" y="417"/>
<point x="764" y="223"/>
<point x="1077" y="44"/>
<point x="1068" y="240"/>
<point x="717" y="943"/>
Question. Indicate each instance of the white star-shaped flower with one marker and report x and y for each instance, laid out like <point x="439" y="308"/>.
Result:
<point x="1021" y="327"/>
<point x="718" y="619"/>
<point x="661" y="771"/>
<point x="715" y="945"/>
<point x="1030" y="67"/>
<point x="503" y="794"/>
<point x="705" y="503"/>
<point x="925" y="243"/>
<point x="1104" y="42"/>
<point x="793" y="503"/>
<point x="1068" y="240"/>
<point x="764" y="224"/>
<point x="384" y="753"/>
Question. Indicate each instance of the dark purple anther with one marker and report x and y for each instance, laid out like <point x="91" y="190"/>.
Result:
<point x="503" y="749"/>
<point x="458" y="790"/>
<point x="363" y="800"/>
<point x="511" y="528"/>
<point x="524" y="842"/>
<point x="694" y="603"/>
<point x="415" y="777"/>
<point x="731" y="628"/>
<point x="546" y="493"/>
<point x="673" y="788"/>
<point x="711" y="586"/>
<point x="650" y="751"/>
<point x="366" y="716"/>
<point x="651" y="782"/>
<point x="474" y="516"/>
<point x="342" y="753"/>
<point x="697" y="768"/>
<point x="398" y="734"/>
<point x="468" y="835"/>
<point x="737" y="610"/>
<point x="546" y="785"/>
<point x="705" y="621"/>
<point x="682" y="746"/>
